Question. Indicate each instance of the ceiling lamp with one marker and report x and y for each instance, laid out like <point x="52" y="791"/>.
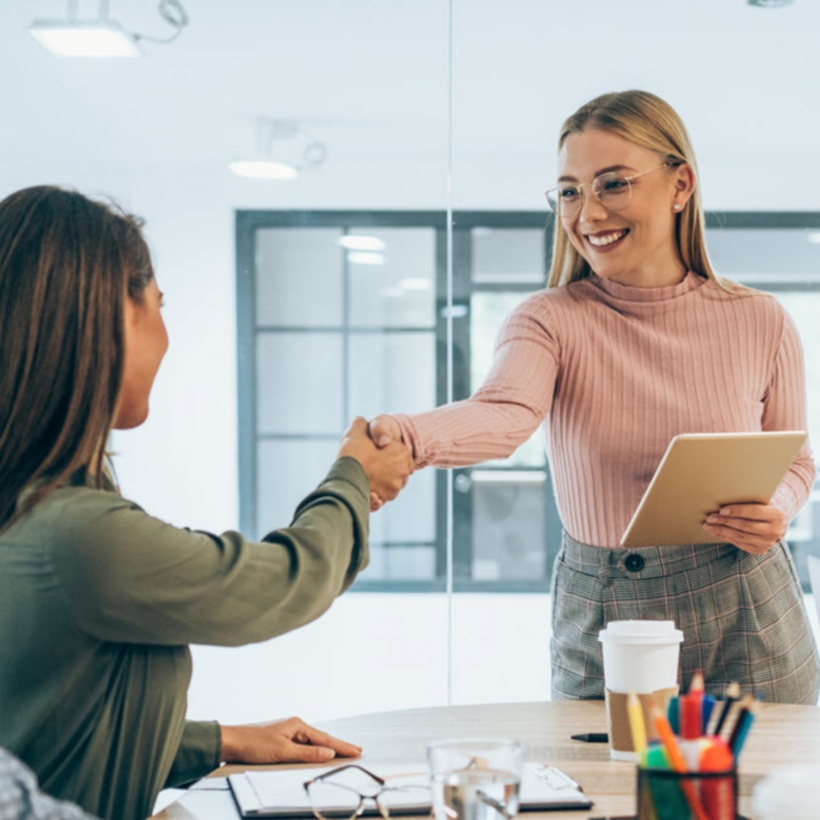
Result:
<point x="101" y="36"/>
<point x="283" y="150"/>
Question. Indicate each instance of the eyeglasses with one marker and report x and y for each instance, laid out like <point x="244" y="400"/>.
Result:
<point x="344" y="792"/>
<point x="612" y="189"/>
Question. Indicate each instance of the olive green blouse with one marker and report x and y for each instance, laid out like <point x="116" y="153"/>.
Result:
<point x="98" y="603"/>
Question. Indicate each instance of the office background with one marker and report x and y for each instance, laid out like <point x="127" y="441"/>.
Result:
<point x="438" y="122"/>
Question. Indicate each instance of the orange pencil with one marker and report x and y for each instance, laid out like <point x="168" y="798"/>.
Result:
<point x="678" y="763"/>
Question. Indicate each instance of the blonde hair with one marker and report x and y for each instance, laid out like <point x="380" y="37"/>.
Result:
<point x="651" y="123"/>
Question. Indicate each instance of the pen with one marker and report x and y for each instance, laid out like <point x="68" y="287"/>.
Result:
<point x="745" y="718"/>
<point x="708" y="706"/>
<point x="732" y="694"/>
<point x="592" y="737"/>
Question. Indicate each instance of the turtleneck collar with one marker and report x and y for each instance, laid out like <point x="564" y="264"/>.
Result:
<point x="631" y="293"/>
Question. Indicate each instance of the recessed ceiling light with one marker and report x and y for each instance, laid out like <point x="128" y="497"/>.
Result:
<point x="359" y="242"/>
<point x="365" y="258"/>
<point x="263" y="169"/>
<point x="77" y="38"/>
<point x="770" y="4"/>
<point x="814" y="237"/>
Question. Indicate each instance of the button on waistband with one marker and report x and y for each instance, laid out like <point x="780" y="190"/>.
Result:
<point x="634" y="562"/>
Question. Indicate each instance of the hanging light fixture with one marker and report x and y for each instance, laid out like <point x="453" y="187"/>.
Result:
<point x="283" y="150"/>
<point x="101" y="36"/>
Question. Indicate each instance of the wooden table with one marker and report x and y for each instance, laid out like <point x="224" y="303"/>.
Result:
<point x="781" y="735"/>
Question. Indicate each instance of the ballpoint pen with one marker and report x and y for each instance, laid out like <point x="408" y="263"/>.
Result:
<point x="592" y="737"/>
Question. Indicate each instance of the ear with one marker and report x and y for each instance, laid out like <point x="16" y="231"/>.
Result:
<point x="684" y="186"/>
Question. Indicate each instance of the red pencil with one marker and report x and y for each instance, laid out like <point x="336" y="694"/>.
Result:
<point x="691" y="709"/>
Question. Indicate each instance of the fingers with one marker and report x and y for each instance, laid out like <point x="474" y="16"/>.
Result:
<point x="319" y="739"/>
<point x="384" y="429"/>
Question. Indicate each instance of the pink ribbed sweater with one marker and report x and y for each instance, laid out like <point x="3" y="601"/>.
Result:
<point x="614" y="372"/>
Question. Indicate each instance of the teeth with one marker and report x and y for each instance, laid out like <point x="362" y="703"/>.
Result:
<point x="607" y="238"/>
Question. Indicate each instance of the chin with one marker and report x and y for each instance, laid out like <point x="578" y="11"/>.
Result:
<point x="130" y="419"/>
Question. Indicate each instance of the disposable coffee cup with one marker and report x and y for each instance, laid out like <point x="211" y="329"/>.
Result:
<point x="640" y="657"/>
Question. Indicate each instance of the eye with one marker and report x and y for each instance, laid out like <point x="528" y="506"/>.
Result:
<point x="613" y="185"/>
<point x="568" y="192"/>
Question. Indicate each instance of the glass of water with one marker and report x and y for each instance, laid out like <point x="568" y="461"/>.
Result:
<point x="475" y="778"/>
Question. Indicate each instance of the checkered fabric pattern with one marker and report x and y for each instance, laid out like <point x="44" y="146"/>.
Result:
<point x="742" y="616"/>
<point x="21" y="799"/>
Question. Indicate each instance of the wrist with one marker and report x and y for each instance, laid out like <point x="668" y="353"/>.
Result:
<point x="229" y="752"/>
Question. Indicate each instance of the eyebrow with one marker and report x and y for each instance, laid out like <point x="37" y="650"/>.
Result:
<point x="568" y="178"/>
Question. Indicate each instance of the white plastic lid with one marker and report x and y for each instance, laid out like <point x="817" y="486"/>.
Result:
<point x="639" y="632"/>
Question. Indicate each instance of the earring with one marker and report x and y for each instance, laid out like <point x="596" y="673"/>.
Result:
<point x="676" y="206"/>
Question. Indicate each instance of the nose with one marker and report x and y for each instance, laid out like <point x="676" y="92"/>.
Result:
<point x="591" y="208"/>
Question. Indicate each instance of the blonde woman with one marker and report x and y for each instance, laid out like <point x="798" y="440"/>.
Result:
<point x="634" y="341"/>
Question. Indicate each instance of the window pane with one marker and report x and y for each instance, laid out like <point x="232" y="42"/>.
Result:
<point x="392" y="372"/>
<point x="286" y="472"/>
<point x="298" y="277"/>
<point x="399" y="291"/>
<point x="766" y="256"/>
<point x="299" y="380"/>
<point x="411" y="518"/>
<point x="508" y="256"/>
<point x="508" y="526"/>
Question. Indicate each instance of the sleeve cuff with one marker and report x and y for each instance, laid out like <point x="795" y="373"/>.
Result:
<point x="199" y="752"/>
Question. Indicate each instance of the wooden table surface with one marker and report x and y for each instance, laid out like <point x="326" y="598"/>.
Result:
<point x="781" y="735"/>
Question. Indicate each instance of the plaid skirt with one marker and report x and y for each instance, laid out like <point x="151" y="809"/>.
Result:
<point x="742" y="616"/>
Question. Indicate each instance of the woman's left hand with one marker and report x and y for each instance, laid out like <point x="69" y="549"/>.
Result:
<point x="286" y="741"/>
<point x="754" y="528"/>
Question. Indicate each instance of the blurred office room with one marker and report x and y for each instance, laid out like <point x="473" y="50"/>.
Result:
<point x="403" y="148"/>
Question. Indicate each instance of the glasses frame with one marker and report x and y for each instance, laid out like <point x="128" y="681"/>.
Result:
<point x="363" y="798"/>
<point x="557" y="209"/>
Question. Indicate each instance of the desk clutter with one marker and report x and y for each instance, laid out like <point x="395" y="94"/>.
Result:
<point x="691" y="772"/>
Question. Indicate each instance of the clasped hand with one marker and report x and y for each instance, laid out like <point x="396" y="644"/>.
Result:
<point x="388" y="465"/>
<point x="754" y="528"/>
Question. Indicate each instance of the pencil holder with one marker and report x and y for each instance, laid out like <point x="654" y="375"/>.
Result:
<point x="668" y="795"/>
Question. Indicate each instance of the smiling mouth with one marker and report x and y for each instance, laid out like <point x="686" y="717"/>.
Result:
<point x="603" y="240"/>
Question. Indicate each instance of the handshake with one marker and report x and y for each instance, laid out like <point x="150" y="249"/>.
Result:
<point x="384" y="457"/>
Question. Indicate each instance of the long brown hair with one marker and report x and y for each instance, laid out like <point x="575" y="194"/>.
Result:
<point x="67" y="265"/>
<point x="648" y="122"/>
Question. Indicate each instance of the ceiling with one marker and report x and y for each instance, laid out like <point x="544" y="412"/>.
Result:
<point x="381" y="81"/>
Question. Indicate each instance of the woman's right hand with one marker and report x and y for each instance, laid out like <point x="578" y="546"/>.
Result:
<point x="382" y="430"/>
<point x="387" y="466"/>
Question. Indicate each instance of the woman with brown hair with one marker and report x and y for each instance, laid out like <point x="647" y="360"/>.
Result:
<point x="98" y="600"/>
<point x="634" y="341"/>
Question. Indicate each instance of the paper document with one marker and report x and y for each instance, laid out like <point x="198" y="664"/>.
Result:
<point x="281" y="793"/>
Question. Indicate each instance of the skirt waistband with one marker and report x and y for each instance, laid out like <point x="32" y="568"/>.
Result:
<point x="640" y="562"/>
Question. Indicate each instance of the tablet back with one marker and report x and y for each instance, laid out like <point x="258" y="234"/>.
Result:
<point x="702" y="472"/>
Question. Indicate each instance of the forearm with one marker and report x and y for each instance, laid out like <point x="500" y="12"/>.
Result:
<point x="467" y="432"/>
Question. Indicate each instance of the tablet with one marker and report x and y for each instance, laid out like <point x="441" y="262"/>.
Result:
<point x="702" y="472"/>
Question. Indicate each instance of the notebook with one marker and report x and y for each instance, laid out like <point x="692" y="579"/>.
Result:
<point x="281" y="793"/>
<point x="702" y="472"/>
